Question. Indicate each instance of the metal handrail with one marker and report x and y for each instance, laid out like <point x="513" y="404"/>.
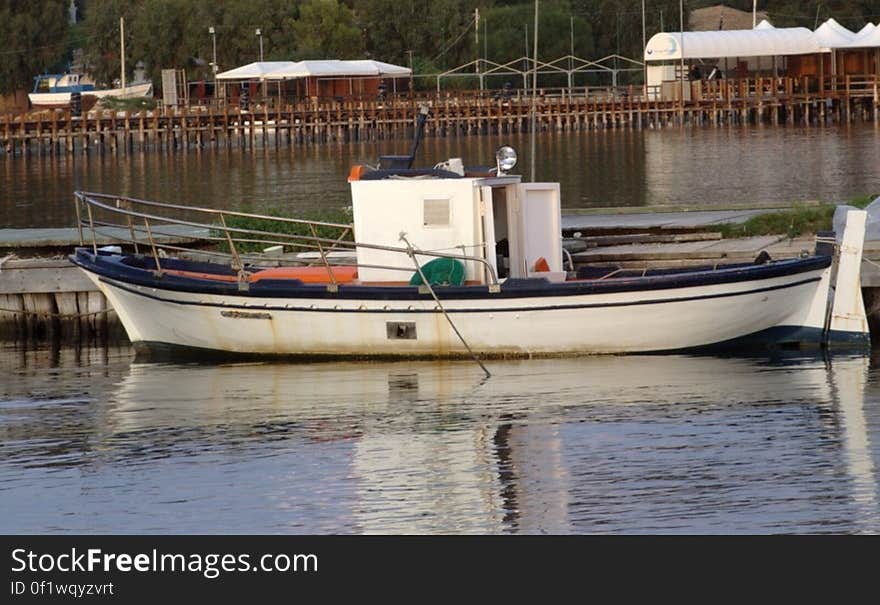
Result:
<point x="150" y="225"/>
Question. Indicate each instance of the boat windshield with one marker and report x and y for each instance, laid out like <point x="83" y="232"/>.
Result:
<point x="43" y="84"/>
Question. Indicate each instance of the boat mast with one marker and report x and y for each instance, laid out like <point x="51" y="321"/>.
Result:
<point x="122" y="47"/>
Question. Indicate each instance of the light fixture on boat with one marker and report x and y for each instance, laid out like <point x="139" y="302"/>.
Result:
<point x="506" y="159"/>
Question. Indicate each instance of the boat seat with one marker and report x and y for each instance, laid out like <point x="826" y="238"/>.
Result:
<point x="308" y="275"/>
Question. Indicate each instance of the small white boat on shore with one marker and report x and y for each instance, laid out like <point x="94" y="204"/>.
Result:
<point x="445" y="262"/>
<point x="54" y="90"/>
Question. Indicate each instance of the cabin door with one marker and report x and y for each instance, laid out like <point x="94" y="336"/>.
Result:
<point x="487" y="217"/>
<point x="536" y="217"/>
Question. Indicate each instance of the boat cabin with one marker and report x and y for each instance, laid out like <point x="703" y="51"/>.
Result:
<point x="48" y="83"/>
<point x="514" y="227"/>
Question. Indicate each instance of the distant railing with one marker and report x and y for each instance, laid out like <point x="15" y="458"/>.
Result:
<point x="759" y="88"/>
<point x="703" y="90"/>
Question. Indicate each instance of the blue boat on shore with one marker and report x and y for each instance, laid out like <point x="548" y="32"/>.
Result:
<point x="54" y="90"/>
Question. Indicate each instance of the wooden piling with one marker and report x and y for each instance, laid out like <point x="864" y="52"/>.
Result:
<point x="733" y="101"/>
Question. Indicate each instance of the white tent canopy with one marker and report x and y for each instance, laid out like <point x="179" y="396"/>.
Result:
<point x="732" y="43"/>
<point x="255" y="71"/>
<point x="386" y="69"/>
<point x="764" y="24"/>
<point x="334" y="67"/>
<point x="868" y="37"/>
<point x="832" y="34"/>
<point x="326" y="68"/>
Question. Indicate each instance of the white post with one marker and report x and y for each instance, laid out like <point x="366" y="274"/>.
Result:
<point x="754" y="13"/>
<point x="849" y="323"/>
<point x="122" y="47"/>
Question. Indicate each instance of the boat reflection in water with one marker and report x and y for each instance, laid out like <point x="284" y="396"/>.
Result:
<point x="616" y="444"/>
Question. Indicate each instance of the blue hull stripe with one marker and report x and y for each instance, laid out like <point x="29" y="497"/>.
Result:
<point x="659" y="301"/>
<point x="115" y="268"/>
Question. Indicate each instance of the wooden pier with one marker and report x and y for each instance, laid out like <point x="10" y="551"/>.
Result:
<point x="270" y="122"/>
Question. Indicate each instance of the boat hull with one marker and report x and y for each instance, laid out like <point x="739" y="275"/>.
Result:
<point x="542" y="319"/>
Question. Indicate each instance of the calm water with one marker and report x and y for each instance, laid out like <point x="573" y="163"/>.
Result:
<point x="94" y="442"/>
<point x="691" y="167"/>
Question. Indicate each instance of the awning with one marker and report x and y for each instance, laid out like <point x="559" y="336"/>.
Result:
<point x="667" y="46"/>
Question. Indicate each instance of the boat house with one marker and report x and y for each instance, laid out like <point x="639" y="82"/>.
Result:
<point x="318" y="79"/>
<point x="820" y="58"/>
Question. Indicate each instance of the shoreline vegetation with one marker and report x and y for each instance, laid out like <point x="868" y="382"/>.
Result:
<point x="801" y="219"/>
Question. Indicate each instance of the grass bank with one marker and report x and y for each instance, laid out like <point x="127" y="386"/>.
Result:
<point x="793" y="222"/>
<point x="269" y="224"/>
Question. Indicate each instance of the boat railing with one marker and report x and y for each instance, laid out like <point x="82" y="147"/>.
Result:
<point x="243" y="241"/>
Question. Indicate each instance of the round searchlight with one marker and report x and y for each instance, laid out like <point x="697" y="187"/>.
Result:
<point x="506" y="159"/>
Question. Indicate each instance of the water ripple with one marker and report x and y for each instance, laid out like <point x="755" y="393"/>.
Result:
<point x="660" y="444"/>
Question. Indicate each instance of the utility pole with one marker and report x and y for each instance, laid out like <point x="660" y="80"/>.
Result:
<point x="534" y="91"/>
<point x="570" y="51"/>
<point x="122" y="52"/>
<point x="214" y="44"/>
<point x="477" y="42"/>
<point x="681" y="50"/>
<point x="644" y="46"/>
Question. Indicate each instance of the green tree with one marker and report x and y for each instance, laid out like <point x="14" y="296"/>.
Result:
<point x="440" y="33"/>
<point x="508" y="27"/>
<point x="169" y="21"/>
<point x="326" y="29"/>
<point x="102" y="53"/>
<point x="34" y="41"/>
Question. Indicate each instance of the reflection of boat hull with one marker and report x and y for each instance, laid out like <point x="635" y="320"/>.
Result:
<point x="62" y="99"/>
<point x="785" y="303"/>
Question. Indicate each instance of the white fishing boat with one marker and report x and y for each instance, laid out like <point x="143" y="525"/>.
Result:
<point x="444" y="262"/>
<point x="54" y="90"/>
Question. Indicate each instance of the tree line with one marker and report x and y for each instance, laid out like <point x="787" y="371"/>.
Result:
<point x="431" y="36"/>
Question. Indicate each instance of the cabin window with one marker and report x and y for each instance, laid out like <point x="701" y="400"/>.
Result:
<point x="436" y="212"/>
